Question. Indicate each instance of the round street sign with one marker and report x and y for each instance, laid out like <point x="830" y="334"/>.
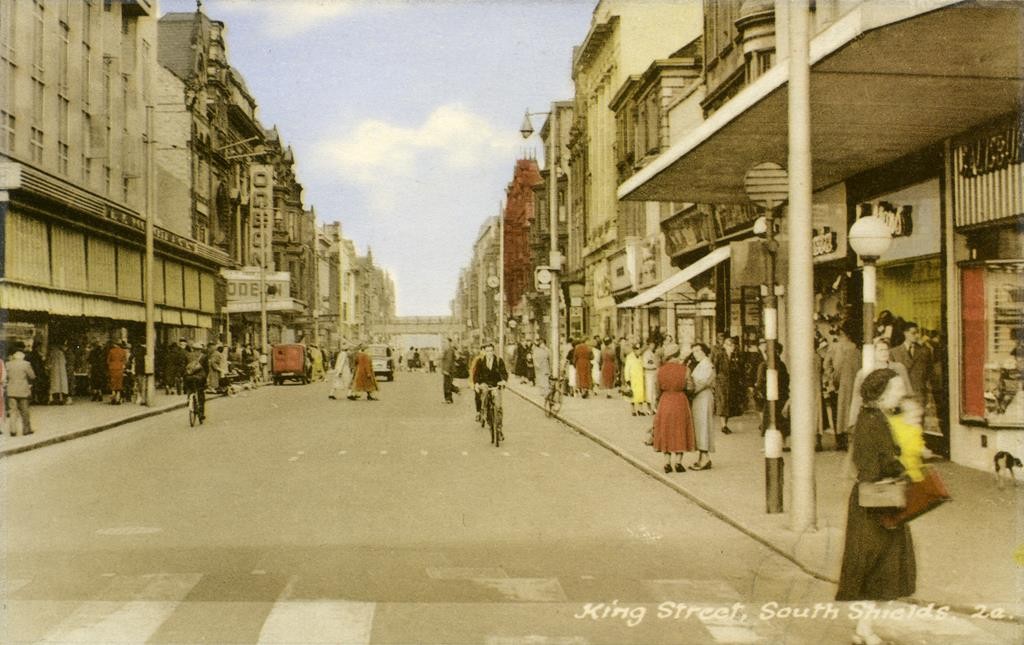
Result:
<point x="543" y="277"/>
<point x="767" y="184"/>
<point x="493" y="282"/>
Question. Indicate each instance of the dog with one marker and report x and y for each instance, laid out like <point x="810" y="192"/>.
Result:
<point x="1005" y="461"/>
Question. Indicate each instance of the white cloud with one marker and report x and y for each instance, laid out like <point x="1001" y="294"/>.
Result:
<point x="281" y="19"/>
<point x="425" y="190"/>
<point x="386" y="158"/>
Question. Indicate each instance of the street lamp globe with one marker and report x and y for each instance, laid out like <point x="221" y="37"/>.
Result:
<point x="870" y="237"/>
<point x="526" y="129"/>
<point x="760" y="226"/>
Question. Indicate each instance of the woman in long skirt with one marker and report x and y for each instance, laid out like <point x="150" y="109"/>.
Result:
<point x="673" y="422"/>
<point x="633" y="375"/>
<point x="878" y="563"/>
<point x="703" y="405"/>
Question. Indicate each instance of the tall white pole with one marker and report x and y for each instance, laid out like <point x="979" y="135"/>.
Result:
<point x="149" y="367"/>
<point x="803" y="388"/>
<point x="555" y="259"/>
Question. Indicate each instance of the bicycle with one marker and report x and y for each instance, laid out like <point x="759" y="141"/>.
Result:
<point x="492" y="415"/>
<point x="553" y="399"/>
<point x="193" y="409"/>
<point x="196" y="412"/>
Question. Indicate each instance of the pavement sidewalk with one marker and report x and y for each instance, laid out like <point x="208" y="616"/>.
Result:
<point x="965" y="549"/>
<point x="56" y="423"/>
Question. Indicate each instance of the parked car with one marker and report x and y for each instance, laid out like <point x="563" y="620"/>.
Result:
<point x="383" y="361"/>
<point x="288" y="362"/>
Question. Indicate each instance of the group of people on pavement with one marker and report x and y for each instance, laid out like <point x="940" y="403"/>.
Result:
<point x="353" y="374"/>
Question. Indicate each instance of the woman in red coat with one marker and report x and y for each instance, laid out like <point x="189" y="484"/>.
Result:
<point x="582" y="358"/>
<point x="673" y="422"/>
<point x="117" y="359"/>
<point x="364" y="380"/>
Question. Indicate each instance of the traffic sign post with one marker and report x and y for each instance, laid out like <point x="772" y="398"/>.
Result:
<point x="767" y="185"/>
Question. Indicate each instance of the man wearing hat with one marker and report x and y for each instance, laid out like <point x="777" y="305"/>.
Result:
<point x="197" y="370"/>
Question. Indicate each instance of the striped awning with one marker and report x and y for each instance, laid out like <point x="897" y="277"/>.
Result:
<point x="19" y="297"/>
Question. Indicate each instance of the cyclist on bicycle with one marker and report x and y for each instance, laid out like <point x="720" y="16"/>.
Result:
<point x="490" y="373"/>
<point x="197" y="370"/>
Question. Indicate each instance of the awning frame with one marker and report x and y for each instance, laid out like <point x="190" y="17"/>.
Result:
<point x="662" y="289"/>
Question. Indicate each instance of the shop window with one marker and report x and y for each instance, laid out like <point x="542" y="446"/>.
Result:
<point x="993" y="344"/>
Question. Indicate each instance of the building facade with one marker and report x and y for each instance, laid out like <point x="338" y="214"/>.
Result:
<point x="623" y="39"/>
<point x="75" y="189"/>
<point x="944" y="179"/>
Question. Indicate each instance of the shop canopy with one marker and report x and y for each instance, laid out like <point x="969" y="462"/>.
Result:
<point x="679" y="278"/>
<point x="887" y="79"/>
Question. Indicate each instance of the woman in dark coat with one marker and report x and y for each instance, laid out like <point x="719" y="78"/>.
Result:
<point x="730" y="389"/>
<point x="98" y="371"/>
<point x="878" y="563"/>
<point x="673" y="422"/>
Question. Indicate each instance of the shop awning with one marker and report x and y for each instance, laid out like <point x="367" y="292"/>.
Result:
<point x="887" y="79"/>
<point x="682" y="276"/>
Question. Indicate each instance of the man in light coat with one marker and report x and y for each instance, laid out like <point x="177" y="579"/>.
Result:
<point x="20" y="377"/>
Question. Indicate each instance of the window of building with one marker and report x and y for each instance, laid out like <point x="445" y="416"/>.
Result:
<point x="125" y="182"/>
<point x="36" y="145"/>
<point x="106" y="179"/>
<point x="7" y="30"/>
<point x="63" y="134"/>
<point x="7" y="131"/>
<point x="64" y="59"/>
<point x="86" y="74"/>
<point x="86" y="21"/>
<point x="85" y="161"/>
<point x="38" y="33"/>
<point x="38" y="93"/>
<point x="106" y="87"/>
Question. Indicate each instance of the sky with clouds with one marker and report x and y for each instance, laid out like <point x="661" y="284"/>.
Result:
<point x="404" y="116"/>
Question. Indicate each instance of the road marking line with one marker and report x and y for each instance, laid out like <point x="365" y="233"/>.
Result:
<point x="732" y="634"/>
<point x="383" y="452"/>
<point x="293" y="459"/>
<point x="526" y="589"/>
<point x="546" y="454"/>
<point x="111" y="620"/>
<point x="343" y="452"/>
<point x="129" y="530"/>
<point x="301" y="452"/>
<point x="319" y="621"/>
<point x="107" y="575"/>
<point x="259" y="572"/>
<point x="586" y="454"/>
<point x="505" y="454"/>
<point x="465" y="573"/>
<point x="465" y="454"/>
<point x="423" y="452"/>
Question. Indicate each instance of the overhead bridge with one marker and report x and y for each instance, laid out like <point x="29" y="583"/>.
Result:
<point x="408" y="325"/>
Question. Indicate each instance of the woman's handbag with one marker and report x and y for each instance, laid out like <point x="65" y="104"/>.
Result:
<point x="922" y="497"/>
<point x="884" y="493"/>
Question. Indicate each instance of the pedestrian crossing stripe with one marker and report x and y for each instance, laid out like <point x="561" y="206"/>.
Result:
<point x="318" y="621"/>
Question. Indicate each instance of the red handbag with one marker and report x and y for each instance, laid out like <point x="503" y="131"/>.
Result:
<point x="922" y="497"/>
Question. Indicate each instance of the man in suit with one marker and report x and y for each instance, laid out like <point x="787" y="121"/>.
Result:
<point x="448" y="370"/>
<point x="917" y="358"/>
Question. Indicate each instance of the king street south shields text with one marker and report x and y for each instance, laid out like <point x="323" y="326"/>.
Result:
<point x="633" y="615"/>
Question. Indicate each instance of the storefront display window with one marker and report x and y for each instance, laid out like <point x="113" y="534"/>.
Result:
<point x="993" y="344"/>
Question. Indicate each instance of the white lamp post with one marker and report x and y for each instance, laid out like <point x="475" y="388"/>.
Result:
<point x="869" y="238"/>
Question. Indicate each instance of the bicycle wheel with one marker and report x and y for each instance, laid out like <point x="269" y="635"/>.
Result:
<point x="498" y="435"/>
<point x="556" y="401"/>
<point x="192" y="415"/>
